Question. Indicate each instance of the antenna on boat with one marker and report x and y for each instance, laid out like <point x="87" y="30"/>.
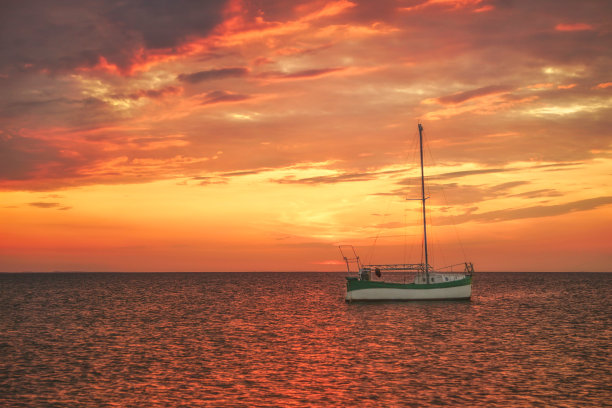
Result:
<point x="423" y="198"/>
<point x="354" y="259"/>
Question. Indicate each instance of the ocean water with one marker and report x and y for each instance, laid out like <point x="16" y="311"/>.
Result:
<point x="290" y="340"/>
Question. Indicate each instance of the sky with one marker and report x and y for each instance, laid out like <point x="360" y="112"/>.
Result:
<point x="151" y="135"/>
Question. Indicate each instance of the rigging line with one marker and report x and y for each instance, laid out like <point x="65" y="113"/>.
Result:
<point x="412" y="148"/>
<point x="438" y="253"/>
<point x="435" y="249"/>
<point x="423" y="251"/>
<point x="413" y="159"/>
<point x="405" y="232"/>
<point x="427" y="215"/>
<point x="413" y="151"/>
<point x="454" y="224"/>
<point x="370" y="255"/>
<point x="450" y="209"/>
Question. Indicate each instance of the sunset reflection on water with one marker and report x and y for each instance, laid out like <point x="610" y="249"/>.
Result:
<point x="289" y="339"/>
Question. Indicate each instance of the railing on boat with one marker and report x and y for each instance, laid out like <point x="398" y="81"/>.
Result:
<point x="351" y="257"/>
<point x="468" y="268"/>
<point x="396" y="267"/>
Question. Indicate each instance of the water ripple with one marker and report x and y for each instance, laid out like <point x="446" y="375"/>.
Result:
<point x="289" y="339"/>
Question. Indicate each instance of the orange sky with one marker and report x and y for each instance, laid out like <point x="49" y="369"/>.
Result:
<point x="254" y="135"/>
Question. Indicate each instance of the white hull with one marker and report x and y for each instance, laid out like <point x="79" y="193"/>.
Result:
<point x="456" y="292"/>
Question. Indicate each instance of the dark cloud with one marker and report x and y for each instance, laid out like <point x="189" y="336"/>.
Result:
<point x="164" y="23"/>
<point x="206" y="180"/>
<point x="506" y="186"/>
<point x="332" y="179"/>
<point x="244" y="172"/>
<point x="455" y="193"/>
<point x="537" y="211"/>
<point x="224" y="177"/>
<point x="151" y="93"/>
<point x="46" y="164"/>
<point x="328" y="179"/>
<point x="63" y="35"/>
<point x="223" y="96"/>
<point x="465" y="173"/>
<point x="19" y="107"/>
<point x="307" y="73"/>
<point x="548" y="192"/>
<point x="43" y="204"/>
<point x="415" y="181"/>
<point x="212" y="74"/>
<point x="473" y="93"/>
<point x="23" y="158"/>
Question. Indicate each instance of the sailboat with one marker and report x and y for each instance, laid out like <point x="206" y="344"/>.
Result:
<point x="428" y="284"/>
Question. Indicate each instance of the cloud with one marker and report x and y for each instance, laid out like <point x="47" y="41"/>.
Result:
<point x="71" y="34"/>
<point x="603" y="85"/>
<point x="244" y="172"/>
<point x="455" y="193"/>
<point x="448" y="4"/>
<point x="460" y="97"/>
<point x="537" y="211"/>
<point x="206" y="180"/>
<point x="213" y="74"/>
<point x="48" y="160"/>
<point x="303" y="74"/>
<point x="573" y="27"/>
<point x="466" y="173"/>
<point x="469" y="64"/>
<point x="215" y="97"/>
<point x="23" y="158"/>
<point x="332" y="179"/>
<point x="547" y="192"/>
<point x="335" y="178"/>
<point x="43" y="204"/>
<point x="150" y="93"/>
<point x="163" y="24"/>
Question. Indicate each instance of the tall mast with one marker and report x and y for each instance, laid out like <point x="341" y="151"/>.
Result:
<point x="423" y="198"/>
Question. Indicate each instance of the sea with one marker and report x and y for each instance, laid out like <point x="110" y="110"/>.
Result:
<point x="291" y="340"/>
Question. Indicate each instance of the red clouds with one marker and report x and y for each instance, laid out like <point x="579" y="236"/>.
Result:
<point x="223" y="72"/>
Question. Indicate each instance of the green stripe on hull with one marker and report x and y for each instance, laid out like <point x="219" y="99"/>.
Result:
<point x="355" y="284"/>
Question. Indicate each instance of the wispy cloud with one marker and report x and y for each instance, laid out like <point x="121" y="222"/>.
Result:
<point x="336" y="178"/>
<point x="331" y="179"/>
<point x="537" y="211"/>
<point x="303" y="74"/>
<point x="460" y="97"/>
<point x="150" y="93"/>
<point x="215" y="97"/>
<point x="213" y="74"/>
<point x="45" y="204"/>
